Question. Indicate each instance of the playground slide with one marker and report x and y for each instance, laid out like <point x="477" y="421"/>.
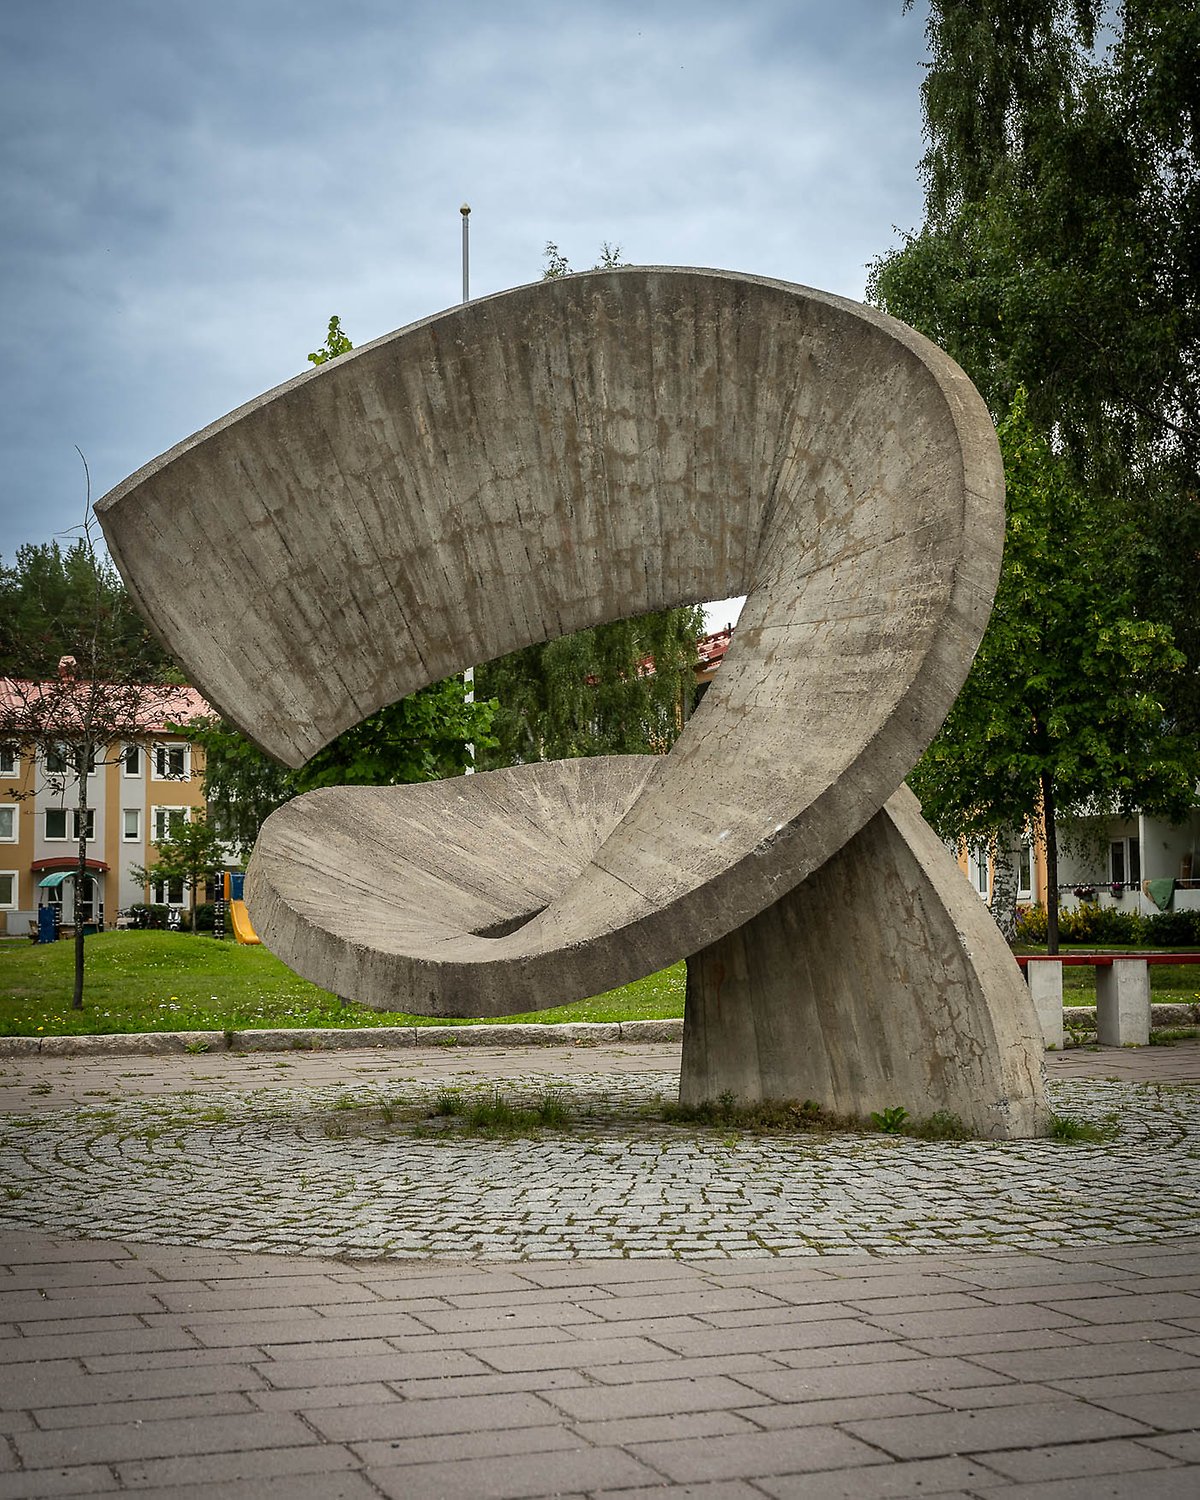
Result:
<point x="239" y="918"/>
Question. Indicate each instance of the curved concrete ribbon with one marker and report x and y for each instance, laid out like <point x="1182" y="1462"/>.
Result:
<point x="551" y="458"/>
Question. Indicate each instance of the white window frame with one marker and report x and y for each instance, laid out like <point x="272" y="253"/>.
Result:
<point x="136" y="836"/>
<point x="65" y="753"/>
<point x="1025" y="858"/>
<point x="1131" y="852"/>
<point x="15" y="836"/>
<point x="125" y="753"/>
<point x="56" y="838"/>
<point x="15" y="901"/>
<point x="160" y="892"/>
<point x="165" y="813"/>
<point x="979" y="872"/>
<point x="91" y="825"/>
<point x="10" y="762"/>
<point x="163" y="748"/>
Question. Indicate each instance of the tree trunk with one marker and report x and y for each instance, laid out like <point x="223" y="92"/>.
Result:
<point x="81" y="775"/>
<point x="1004" y="887"/>
<point x="1051" y="835"/>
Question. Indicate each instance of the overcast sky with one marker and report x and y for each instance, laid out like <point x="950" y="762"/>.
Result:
<point x="190" y="188"/>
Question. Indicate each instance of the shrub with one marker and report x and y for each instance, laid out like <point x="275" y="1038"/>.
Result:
<point x="149" y="916"/>
<point x="1031" y="925"/>
<point x="1092" y="923"/>
<point x="1173" y="929"/>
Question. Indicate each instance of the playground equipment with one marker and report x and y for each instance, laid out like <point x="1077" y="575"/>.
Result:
<point x="232" y="885"/>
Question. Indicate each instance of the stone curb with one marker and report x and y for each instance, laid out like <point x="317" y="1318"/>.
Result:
<point x="1164" y="1014"/>
<point x="379" y="1038"/>
<point x="156" y="1043"/>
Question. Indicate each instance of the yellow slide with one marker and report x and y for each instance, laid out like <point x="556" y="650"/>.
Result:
<point x="239" y="917"/>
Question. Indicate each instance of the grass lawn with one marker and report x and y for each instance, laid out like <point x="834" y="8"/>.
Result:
<point x="172" y="981"/>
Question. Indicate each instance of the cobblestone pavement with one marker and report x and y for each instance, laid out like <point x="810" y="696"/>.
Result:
<point x="319" y="1155"/>
<point x="641" y="1370"/>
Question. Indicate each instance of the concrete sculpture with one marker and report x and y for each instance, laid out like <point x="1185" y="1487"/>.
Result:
<point x="569" y="453"/>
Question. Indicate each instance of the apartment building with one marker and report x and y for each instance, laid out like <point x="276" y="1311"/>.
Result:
<point x="136" y="789"/>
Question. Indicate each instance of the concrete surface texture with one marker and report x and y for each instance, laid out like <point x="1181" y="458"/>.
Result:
<point x="547" y="459"/>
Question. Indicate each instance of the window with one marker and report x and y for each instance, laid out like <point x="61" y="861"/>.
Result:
<point x="131" y="760"/>
<point x="56" y="823"/>
<point x="164" y="821"/>
<point x="8" y="890"/>
<point x="8" y="825"/>
<point x="1024" y="872"/>
<point x="131" y="825"/>
<point x="1125" y="862"/>
<point x="171" y="762"/>
<point x="977" y="866"/>
<point x="168" y="892"/>
<point x="61" y="761"/>
<point x="10" y="761"/>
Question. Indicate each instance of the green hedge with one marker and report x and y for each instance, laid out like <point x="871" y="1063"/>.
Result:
<point x="1091" y="923"/>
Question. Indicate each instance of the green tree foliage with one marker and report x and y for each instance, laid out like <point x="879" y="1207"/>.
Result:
<point x="421" y="738"/>
<point x="192" y="850"/>
<point x="618" y="689"/>
<point x="1061" y="255"/>
<point x="621" y="688"/>
<point x="1063" y="707"/>
<point x="55" y="603"/>
<point x="335" y="343"/>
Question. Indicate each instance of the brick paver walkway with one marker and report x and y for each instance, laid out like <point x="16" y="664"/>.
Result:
<point x="1061" y="1372"/>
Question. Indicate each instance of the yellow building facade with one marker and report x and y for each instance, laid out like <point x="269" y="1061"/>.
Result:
<point x="136" y="789"/>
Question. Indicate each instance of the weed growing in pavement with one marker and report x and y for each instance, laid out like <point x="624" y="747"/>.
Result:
<point x="772" y="1116"/>
<point x="495" y="1115"/>
<point x="1168" y="1036"/>
<point x="942" y="1125"/>
<point x="1065" y="1128"/>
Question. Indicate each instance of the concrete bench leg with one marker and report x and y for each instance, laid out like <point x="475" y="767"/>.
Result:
<point x="1046" y="989"/>
<point x="1123" y="1003"/>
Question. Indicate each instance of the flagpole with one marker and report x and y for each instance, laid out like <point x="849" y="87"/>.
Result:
<point x="469" y="674"/>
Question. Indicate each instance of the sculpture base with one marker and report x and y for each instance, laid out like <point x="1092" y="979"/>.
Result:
<point x="879" y="981"/>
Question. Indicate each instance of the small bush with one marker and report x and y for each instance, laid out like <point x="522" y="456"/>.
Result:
<point x="1031" y="925"/>
<point x="1173" y="929"/>
<point x="149" y="916"/>
<point x="1092" y="923"/>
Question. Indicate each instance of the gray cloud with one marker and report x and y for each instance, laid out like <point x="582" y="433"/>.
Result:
<point x="190" y="191"/>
